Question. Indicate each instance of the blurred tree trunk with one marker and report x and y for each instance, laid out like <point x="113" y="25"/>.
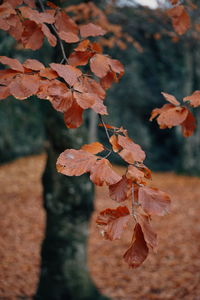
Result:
<point x="68" y="204"/>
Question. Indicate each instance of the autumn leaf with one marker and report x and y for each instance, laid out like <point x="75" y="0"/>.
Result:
<point x="149" y="235"/>
<point x="35" y="16"/>
<point x="24" y="86"/>
<point x="135" y="174"/>
<point x="138" y="250"/>
<point x="13" y="63"/>
<point x="194" y="99"/>
<point x="154" y="201"/>
<point x="114" y="142"/>
<point x="79" y="58"/>
<point x="119" y="190"/>
<point x="73" y="117"/>
<point x="180" y="19"/>
<point x="32" y="36"/>
<point x="84" y="100"/>
<point x="91" y="30"/>
<point x="75" y="162"/>
<point x="131" y="152"/>
<point x="4" y="92"/>
<point x="33" y="64"/>
<point x="170" y="98"/>
<point x="113" y="222"/>
<point x="102" y="172"/>
<point x="64" y="23"/>
<point x="48" y="73"/>
<point x="93" y="148"/>
<point x="68" y="37"/>
<point x="189" y="125"/>
<point x="68" y="73"/>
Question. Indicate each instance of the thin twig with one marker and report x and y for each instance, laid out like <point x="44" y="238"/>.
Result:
<point x="57" y="35"/>
<point x="104" y="125"/>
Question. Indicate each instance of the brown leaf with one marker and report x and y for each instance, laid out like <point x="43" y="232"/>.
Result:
<point x="60" y="96"/>
<point x="50" y="37"/>
<point x="24" y="86"/>
<point x="91" y="30"/>
<point x="99" y="65"/>
<point x="65" y="23"/>
<point x="69" y="73"/>
<point x="4" y="92"/>
<point x="33" y="64"/>
<point x="79" y="58"/>
<point x="48" y="73"/>
<point x="73" y="116"/>
<point x="131" y="152"/>
<point x="189" y="125"/>
<point x="194" y="99"/>
<point x="6" y="76"/>
<point x="99" y="107"/>
<point x="102" y="172"/>
<point x="84" y="100"/>
<point x="93" y="148"/>
<point x="14" y="3"/>
<point x="35" y="16"/>
<point x="68" y="37"/>
<point x="114" y="142"/>
<point x="32" y="36"/>
<point x="113" y="221"/>
<point x="149" y="235"/>
<point x="108" y="80"/>
<point x="138" y="250"/>
<point x="154" y="201"/>
<point x="75" y="162"/>
<point x="135" y="174"/>
<point x="180" y="19"/>
<point x="170" y="98"/>
<point x="14" y="64"/>
<point x="119" y="190"/>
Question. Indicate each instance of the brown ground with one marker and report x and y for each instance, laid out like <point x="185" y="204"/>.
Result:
<point x="173" y="273"/>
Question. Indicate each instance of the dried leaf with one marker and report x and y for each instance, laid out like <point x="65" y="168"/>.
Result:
<point x="69" y="73"/>
<point x="180" y="19"/>
<point x="73" y="116"/>
<point x="114" y="142"/>
<point x="119" y="190"/>
<point x="194" y="99"/>
<point x="135" y="174"/>
<point x="189" y="125"/>
<point x="69" y="37"/>
<point x="138" y="250"/>
<point x="84" y="100"/>
<point x="75" y="162"/>
<point x="50" y="37"/>
<point x="102" y="172"/>
<point x="99" y="65"/>
<point x="32" y="36"/>
<point x="170" y="98"/>
<point x="149" y="235"/>
<point x="48" y="73"/>
<point x="154" y="201"/>
<point x="113" y="221"/>
<point x="79" y="58"/>
<point x="91" y="30"/>
<point x="65" y="23"/>
<point x="93" y="148"/>
<point x="131" y="152"/>
<point x="24" y="86"/>
<point x="35" y="16"/>
<point x="14" y="64"/>
<point x="4" y="92"/>
<point x="33" y="64"/>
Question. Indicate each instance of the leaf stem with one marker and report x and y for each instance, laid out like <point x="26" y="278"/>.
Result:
<point x="56" y="34"/>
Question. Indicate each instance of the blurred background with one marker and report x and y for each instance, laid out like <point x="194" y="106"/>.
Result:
<point x="156" y="59"/>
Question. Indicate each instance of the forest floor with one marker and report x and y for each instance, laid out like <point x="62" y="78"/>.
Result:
<point x="172" y="273"/>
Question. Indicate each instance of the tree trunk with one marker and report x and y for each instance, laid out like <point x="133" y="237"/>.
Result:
<point x="68" y="204"/>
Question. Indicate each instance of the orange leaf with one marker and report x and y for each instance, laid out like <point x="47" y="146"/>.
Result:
<point x="154" y="201"/>
<point x="99" y="107"/>
<point x="79" y="58"/>
<point x="73" y="116"/>
<point x="135" y="174"/>
<point x="48" y="73"/>
<point x="93" y="148"/>
<point x="149" y="235"/>
<point x="68" y="37"/>
<point x="24" y="86"/>
<point x="180" y="19"/>
<point x="102" y="173"/>
<point x="119" y="190"/>
<point x="32" y="36"/>
<point x="35" y="16"/>
<point x="69" y="73"/>
<point x="14" y="64"/>
<point x="194" y="99"/>
<point x="84" y="100"/>
<point x="4" y="92"/>
<point x="99" y="65"/>
<point x="60" y="96"/>
<point x="108" y="80"/>
<point x="50" y="37"/>
<point x="114" y="221"/>
<point x="170" y="98"/>
<point x="114" y="142"/>
<point x="65" y="23"/>
<point x="6" y="76"/>
<point x="75" y="162"/>
<point x="131" y="152"/>
<point x="91" y="30"/>
<point x="33" y="64"/>
<point x="138" y="250"/>
<point x="189" y="125"/>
